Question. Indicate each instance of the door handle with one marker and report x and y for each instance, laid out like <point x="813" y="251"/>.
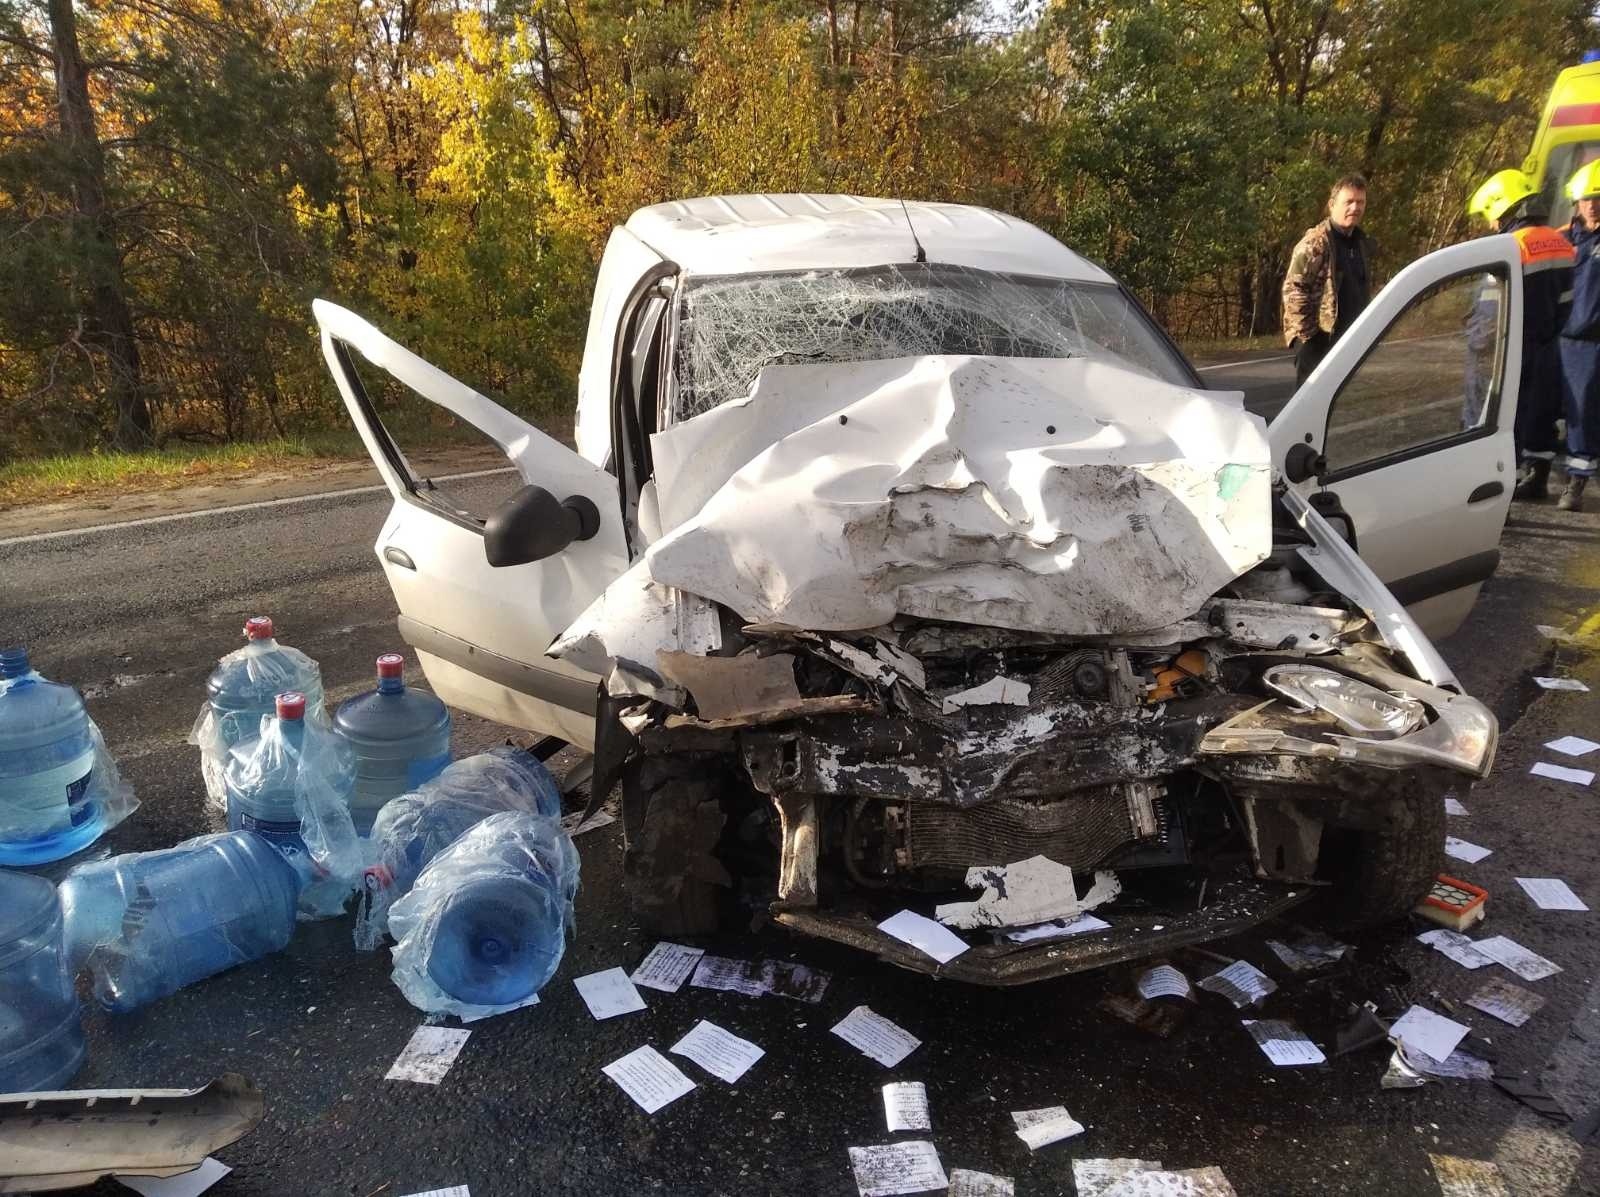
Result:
<point x="1487" y="491"/>
<point x="399" y="557"/>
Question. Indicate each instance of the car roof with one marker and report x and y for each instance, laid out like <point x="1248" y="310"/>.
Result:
<point x="744" y="234"/>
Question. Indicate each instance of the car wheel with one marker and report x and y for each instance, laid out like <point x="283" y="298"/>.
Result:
<point x="1381" y="870"/>
<point x="674" y="820"/>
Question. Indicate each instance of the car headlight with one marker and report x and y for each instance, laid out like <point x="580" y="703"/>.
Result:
<point x="1464" y="737"/>
<point x="1356" y="706"/>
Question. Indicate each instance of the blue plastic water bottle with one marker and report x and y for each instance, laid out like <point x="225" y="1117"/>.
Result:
<point x="47" y="809"/>
<point x="41" y="1038"/>
<point x="244" y="684"/>
<point x="401" y="739"/>
<point x="148" y="923"/>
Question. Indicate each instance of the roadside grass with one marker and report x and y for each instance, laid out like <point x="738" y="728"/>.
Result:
<point x="71" y="475"/>
<point x="1200" y="349"/>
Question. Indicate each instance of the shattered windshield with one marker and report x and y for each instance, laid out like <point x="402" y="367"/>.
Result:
<point x="731" y="327"/>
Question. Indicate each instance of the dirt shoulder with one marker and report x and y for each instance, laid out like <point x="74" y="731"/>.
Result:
<point x="311" y="478"/>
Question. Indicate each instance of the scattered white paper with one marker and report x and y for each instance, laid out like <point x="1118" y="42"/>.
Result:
<point x="1285" y="1044"/>
<point x="1040" y="1128"/>
<point x="721" y="1053"/>
<point x="452" y="1191"/>
<point x="1058" y="928"/>
<point x="753" y="978"/>
<point x="185" y="1184"/>
<point x="928" y="937"/>
<point x="648" y="1077"/>
<point x="1572" y="746"/>
<point x="1421" y="1030"/>
<point x="1468" y="1178"/>
<point x="905" y="1106"/>
<point x="1091" y="1178"/>
<point x="1509" y="1003"/>
<point x="1580" y="777"/>
<point x="1551" y="893"/>
<point x="1551" y="633"/>
<point x="1462" y="850"/>
<point x="1191" y="1182"/>
<point x="575" y="824"/>
<point x="1452" y="806"/>
<point x="966" y="1183"/>
<point x="1030" y="891"/>
<point x="1310" y="951"/>
<point x="1508" y="953"/>
<point x="1242" y="983"/>
<point x="1164" y="981"/>
<point x="667" y="966"/>
<point x="1561" y="683"/>
<point x="428" y="1055"/>
<point x="608" y="993"/>
<point x="997" y="691"/>
<point x="1455" y="945"/>
<point x="1457" y="1066"/>
<point x="892" y="1168"/>
<point x="873" y="1035"/>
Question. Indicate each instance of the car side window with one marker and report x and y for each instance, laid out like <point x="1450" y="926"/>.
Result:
<point x="1432" y="376"/>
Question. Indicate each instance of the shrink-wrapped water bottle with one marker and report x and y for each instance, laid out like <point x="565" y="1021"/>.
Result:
<point x="401" y="739"/>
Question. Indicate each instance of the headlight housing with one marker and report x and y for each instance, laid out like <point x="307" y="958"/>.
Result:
<point x="1359" y="707"/>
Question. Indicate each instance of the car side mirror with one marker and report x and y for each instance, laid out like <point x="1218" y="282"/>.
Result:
<point x="533" y="524"/>
<point x="1302" y="462"/>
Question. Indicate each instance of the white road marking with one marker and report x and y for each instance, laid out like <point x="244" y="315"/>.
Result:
<point x="1257" y="361"/>
<point x="149" y="521"/>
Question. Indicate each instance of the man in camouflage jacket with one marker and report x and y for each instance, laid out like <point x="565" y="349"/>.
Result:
<point x="1330" y="277"/>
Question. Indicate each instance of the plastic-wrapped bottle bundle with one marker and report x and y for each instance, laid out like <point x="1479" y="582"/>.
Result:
<point x="414" y="828"/>
<point x="291" y="785"/>
<point x="487" y="922"/>
<point x="146" y="924"/>
<point x="240" y="693"/>
<point x="401" y="739"/>
<point x="41" y="1036"/>
<point x="59" y="788"/>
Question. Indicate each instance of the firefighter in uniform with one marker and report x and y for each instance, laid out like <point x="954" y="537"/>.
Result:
<point x="1580" y="339"/>
<point x="1509" y="202"/>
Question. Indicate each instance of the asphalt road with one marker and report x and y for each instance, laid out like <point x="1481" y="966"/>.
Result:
<point x="136" y="618"/>
<point x="1266" y="376"/>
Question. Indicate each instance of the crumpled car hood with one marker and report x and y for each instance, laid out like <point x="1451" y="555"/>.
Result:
<point x="1069" y="496"/>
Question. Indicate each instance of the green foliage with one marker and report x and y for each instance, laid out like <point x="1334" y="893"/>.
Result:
<point x="454" y="170"/>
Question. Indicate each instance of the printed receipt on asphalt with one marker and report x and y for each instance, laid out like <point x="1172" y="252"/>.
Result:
<point x="1572" y="746"/>
<point x="1551" y="893"/>
<point x="1507" y="1002"/>
<point x="1561" y="683"/>
<point x="452" y="1191"/>
<point x="1165" y="981"/>
<point x="1455" y="945"/>
<point x="428" y="1055"/>
<point x="966" y="1183"/>
<point x="1040" y="1128"/>
<point x="667" y="966"/>
<point x="905" y="1106"/>
<point x="1464" y="851"/>
<point x="721" y="1053"/>
<point x="1580" y="777"/>
<point x="1091" y="1178"/>
<point x="608" y="993"/>
<point x="1285" y="1044"/>
<point x="873" y="1035"/>
<point x="893" y="1168"/>
<point x="1242" y="983"/>
<point x="185" y="1184"/>
<point x="1508" y="953"/>
<point x="928" y="937"/>
<point x="1434" y="1035"/>
<point x="648" y="1077"/>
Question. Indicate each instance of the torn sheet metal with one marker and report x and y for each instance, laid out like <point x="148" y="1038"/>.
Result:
<point x="633" y="619"/>
<point x="52" y="1141"/>
<point x="1031" y="891"/>
<point x="732" y="687"/>
<point x="1068" y="496"/>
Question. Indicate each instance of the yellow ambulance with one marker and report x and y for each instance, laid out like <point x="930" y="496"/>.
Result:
<point x="1568" y="134"/>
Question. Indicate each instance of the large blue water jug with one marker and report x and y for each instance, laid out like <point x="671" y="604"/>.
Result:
<point x="41" y="1038"/>
<point x="401" y="739"/>
<point x="264" y="781"/>
<point x="146" y="924"/>
<point x="47" y="806"/>
<point x="241" y="690"/>
<point x="487" y="922"/>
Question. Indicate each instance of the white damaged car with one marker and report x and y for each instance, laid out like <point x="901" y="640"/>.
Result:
<point x="904" y="562"/>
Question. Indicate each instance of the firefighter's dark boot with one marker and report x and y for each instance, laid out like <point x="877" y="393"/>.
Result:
<point x="1572" y="498"/>
<point x="1534" y="483"/>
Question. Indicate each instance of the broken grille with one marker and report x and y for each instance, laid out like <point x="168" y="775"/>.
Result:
<point x="1078" y="831"/>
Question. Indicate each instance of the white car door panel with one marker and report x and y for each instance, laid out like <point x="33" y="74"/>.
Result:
<point x="1412" y="413"/>
<point x="480" y="631"/>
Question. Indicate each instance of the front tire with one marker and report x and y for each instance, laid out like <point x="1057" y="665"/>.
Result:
<point x="1381" y="870"/>
<point x="673" y="822"/>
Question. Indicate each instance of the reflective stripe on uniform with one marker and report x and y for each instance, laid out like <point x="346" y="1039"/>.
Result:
<point x="1543" y="249"/>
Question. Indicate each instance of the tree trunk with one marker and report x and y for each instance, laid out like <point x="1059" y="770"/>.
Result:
<point x="109" y="319"/>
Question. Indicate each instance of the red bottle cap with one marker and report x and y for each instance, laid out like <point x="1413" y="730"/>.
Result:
<point x="291" y="704"/>
<point x="391" y="665"/>
<point x="258" y="627"/>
